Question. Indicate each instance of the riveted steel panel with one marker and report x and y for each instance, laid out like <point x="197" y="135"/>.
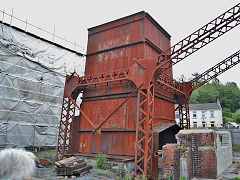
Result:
<point x="117" y="45"/>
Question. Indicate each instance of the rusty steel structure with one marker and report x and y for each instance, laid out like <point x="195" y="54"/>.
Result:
<point x="128" y="91"/>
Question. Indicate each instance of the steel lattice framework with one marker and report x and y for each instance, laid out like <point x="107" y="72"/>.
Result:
<point x="64" y="137"/>
<point x="103" y="78"/>
<point x="183" y="49"/>
<point x="201" y="37"/>
<point x="144" y="132"/>
<point x="216" y="70"/>
<point x="145" y="89"/>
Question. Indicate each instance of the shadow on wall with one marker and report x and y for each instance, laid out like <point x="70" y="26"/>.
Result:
<point x="168" y="136"/>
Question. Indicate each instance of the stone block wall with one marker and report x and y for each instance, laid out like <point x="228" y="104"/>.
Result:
<point x="224" y="151"/>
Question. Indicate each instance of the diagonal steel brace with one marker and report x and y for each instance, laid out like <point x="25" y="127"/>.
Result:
<point x="136" y="90"/>
<point x="93" y="125"/>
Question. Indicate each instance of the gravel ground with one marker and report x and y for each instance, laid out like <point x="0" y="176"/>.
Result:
<point x="234" y="170"/>
<point x="46" y="173"/>
<point x="94" y="173"/>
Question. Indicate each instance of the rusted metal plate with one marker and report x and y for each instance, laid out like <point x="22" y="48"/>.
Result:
<point x="111" y="91"/>
<point x="98" y="110"/>
<point x="112" y="46"/>
<point x="113" y="60"/>
<point x="132" y="43"/>
<point x="162" y="126"/>
<point x="164" y="112"/>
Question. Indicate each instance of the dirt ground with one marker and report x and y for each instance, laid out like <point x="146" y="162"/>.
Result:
<point x="233" y="172"/>
<point x="94" y="173"/>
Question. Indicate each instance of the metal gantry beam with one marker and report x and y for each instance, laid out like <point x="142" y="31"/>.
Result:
<point x="164" y="79"/>
<point x="102" y="78"/>
<point x="216" y="70"/>
<point x="200" y="38"/>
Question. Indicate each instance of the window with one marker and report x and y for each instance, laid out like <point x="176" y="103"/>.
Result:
<point x="195" y="124"/>
<point x="212" y="113"/>
<point x="212" y="123"/>
<point x="204" y="124"/>
<point x="176" y="115"/>
<point x="203" y="114"/>
<point x="194" y="114"/>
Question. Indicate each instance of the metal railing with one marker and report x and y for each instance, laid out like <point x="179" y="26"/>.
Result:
<point x="42" y="33"/>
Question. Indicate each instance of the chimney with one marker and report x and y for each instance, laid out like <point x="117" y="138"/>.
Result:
<point x="218" y="102"/>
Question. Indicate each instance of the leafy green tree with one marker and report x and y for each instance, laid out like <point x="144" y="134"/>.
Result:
<point x="232" y="85"/>
<point x="195" y="74"/>
<point x="227" y="115"/>
<point x="208" y="94"/>
<point x="216" y="81"/>
<point x="236" y="117"/>
<point x="230" y="96"/>
<point x="194" y="97"/>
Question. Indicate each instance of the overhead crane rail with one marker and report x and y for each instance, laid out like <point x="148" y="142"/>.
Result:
<point x="216" y="70"/>
<point x="200" y="38"/>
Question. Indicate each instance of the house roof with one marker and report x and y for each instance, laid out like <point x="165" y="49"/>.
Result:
<point x="205" y="106"/>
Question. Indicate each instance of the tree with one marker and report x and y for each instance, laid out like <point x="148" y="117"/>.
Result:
<point x="194" y="97"/>
<point x="195" y="75"/>
<point x="227" y="115"/>
<point x="208" y="94"/>
<point x="236" y="117"/>
<point x="229" y="96"/>
<point x="232" y="85"/>
<point x="216" y="81"/>
<point x="182" y="78"/>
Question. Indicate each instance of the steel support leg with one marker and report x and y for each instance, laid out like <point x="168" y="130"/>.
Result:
<point x="144" y="132"/>
<point x="64" y="137"/>
<point x="184" y="116"/>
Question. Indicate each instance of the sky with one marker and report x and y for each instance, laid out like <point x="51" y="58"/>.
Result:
<point x="71" y="19"/>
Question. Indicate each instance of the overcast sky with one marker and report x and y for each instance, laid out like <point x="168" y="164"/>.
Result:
<point x="72" y="18"/>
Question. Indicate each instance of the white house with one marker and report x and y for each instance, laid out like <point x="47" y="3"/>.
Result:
<point x="204" y="115"/>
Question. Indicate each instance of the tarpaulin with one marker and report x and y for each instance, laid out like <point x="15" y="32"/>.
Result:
<point x="32" y="77"/>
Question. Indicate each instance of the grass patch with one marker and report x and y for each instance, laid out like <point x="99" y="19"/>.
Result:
<point x="138" y="178"/>
<point x="54" y="168"/>
<point x="236" y="148"/>
<point x="46" y="154"/>
<point x="182" y="178"/>
<point x="104" y="174"/>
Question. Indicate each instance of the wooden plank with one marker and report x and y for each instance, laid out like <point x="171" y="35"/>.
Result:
<point x="82" y="170"/>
